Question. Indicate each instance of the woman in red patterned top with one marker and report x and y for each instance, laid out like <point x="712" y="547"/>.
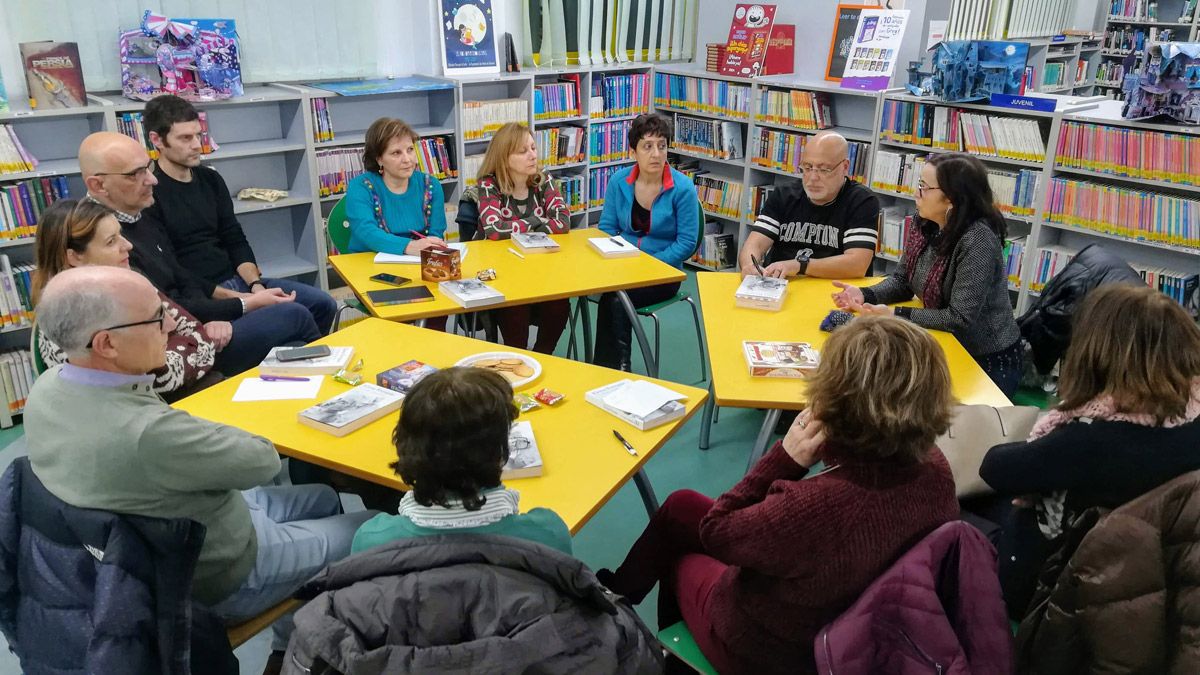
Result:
<point x="74" y="233"/>
<point x="515" y="196"/>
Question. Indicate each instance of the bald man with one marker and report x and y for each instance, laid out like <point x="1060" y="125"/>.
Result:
<point x="119" y="174"/>
<point x="825" y="225"/>
<point x="100" y="438"/>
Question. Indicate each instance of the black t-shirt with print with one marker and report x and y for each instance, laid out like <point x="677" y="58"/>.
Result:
<point x="793" y="222"/>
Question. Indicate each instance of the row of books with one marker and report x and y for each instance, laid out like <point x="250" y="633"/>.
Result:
<point x="717" y="249"/>
<point x="896" y="221"/>
<point x="572" y="190"/>
<point x="956" y="129"/>
<point x="1055" y="75"/>
<point x="1110" y="72"/>
<point x="481" y="119"/>
<point x="16" y="296"/>
<point x="553" y="101"/>
<point x="1147" y="10"/>
<point x="801" y="109"/>
<point x="21" y="204"/>
<point x="336" y="167"/>
<point x="715" y="97"/>
<point x="714" y="56"/>
<point x="1014" y="259"/>
<point x="781" y="150"/>
<point x="758" y="199"/>
<point x="620" y="95"/>
<point x="14" y="158"/>
<point x="1014" y="191"/>
<point x="1136" y="38"/>
<point x="133" y="125"/>
<point x="322" y="122"/>
<point x="559" y="145"/>
<point x="470" y="168"/>
<point x="1125" y="212"/>
<point x="1135" y="153"/>
<point x="1007" y="19"/>
<point x="717" y="194"/>
<point x="714" y="138"/>
<point x="598" y="183"/>
<point x="1182" y="287"/>
<point x="16" y="378"/>
<point x="609" y="141"/>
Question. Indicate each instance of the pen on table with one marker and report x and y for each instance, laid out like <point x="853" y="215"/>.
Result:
<point x="624" y="442"/>
<point x="282" y="378"/>
<point x="758" y="266"/>
<point x="618" y="242"/>
<point x="514" y="252"/>
<point x="419" y="235"/>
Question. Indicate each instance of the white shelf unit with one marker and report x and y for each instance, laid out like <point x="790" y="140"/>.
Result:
<point x="1069" y="52"/>
<point x="591" y="215"/>
<point x="1167" y="17"/>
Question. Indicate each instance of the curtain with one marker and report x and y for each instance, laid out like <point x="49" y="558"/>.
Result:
<point x="608" y="31"/>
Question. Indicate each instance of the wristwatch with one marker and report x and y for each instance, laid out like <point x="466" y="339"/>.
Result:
<point x="802" y="258"/>
<point x="256" y="281"/>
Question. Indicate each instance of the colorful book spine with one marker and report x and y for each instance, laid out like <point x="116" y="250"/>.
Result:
<point x="758" y="197"/>
<point x="781" y="150"/>
<point x="572" y="190"/>
<point x="322" y="122"/>
<point x="1182" y="287"/>
<point x="1050" y="261"/>
<point x="598" y="183"/>
<point x="555" y="101"/>
<point x="481" y="119"/>
<point x="718" y="195"/>
<point x="21" y="204"/>
<point x="695" y="94"/>
<point x="609" y="141"/>
<point x="1132" y="153"/>
<point x="954" y="129"/>
<point x="1125" y="212"/>
<point x="712" y="138"/>
<point x="800" y="109"/>
<point x="16" y="378"/>
<point x="1014" y="260"/>
<point x="620" y="95"/>
<point x="560" y="145"/>
<point x="13" y="156"/>
<point x="336" y="167"/>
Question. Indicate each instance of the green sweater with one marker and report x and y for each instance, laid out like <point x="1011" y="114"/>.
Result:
<point x="540" y="525"/>
<point x="106" y="441"/>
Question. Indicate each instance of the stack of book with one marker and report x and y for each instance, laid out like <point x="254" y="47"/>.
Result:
<point x="1183" y="287"/>
<point x="1111" y="73"/>
<point x="781" y="150"/>
<point x="322" y="123"/>
<point x="644" y="405"/>
<point x="16" y="378"/>
<point x="1125" y="212"/>
<point x="758" y="198"/>
<point x="1007" y="19"/>
<point x="1015" y="260"/>
<point x="1055" y="75"/>
<point x="954" y="129"/>
<point x="1134" y="153"/>
<point x="895" y="222"/>
<point x="435" y="158"/>
<point x="559" y="145"/>
<point x="717" y="250"/>
<point x="717" y="194"/>
<point x="897" y="171"/>
<point x="13" y="156"/>
<point x="16" y="297"/>
<point x="715" y="57"/>
<point x="715" y="97"/>
<point x="609" y="141"/>
<point x="336" y="167"/>
<point x="21" y="204"/>
<point x="800" y="109"/>
<point x="571" y="189"/>
<point x="1014" y="191"/>
<point x="132" y="125"/>
<point x="1050" y="261"/>
<point x="598" y="183"/>
<point x="554" y="101"/>
<point x="481" y="119"/>
<point x="713" y="138"/>
<point x="471" y="166"/>
<point x="620" y="95"/>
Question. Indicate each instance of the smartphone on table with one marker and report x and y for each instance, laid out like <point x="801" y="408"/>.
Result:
<point x="302" y="353"/>
<point x="390" y="279"/>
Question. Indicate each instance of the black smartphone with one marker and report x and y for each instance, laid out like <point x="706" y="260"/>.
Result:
<point x="302" y="353"/>
<point x="390" y="279"/>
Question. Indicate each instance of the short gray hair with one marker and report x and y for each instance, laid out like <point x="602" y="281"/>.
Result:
<point x="71" y="316"/>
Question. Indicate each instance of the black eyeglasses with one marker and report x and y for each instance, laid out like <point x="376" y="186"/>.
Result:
<point x="149" y="168"/>
<point x="159" y="318"/>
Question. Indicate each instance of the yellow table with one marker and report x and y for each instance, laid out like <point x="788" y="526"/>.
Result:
<point x="807" y="302"/>
<point x="577" y="270"/>
<point x="584" y="463"/>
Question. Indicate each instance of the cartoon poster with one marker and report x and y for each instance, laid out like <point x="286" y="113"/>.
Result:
<point x="874" y="51"/>
<point x="748" y="34"/>
<point x="468" y="37"/>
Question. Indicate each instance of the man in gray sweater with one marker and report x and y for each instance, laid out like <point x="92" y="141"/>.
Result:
<point x="100" y="438"/>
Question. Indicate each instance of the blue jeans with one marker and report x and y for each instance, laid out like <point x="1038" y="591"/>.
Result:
<point x="300" y="530"/>
<point x="257" y="332"/>
<point x="319" y="303"/>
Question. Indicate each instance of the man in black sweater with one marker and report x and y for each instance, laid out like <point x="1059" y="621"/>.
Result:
<point x="193" y="205"/>
<point x="245" y="326"/>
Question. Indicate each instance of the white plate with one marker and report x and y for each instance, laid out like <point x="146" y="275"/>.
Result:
<point x="527" y="360"/>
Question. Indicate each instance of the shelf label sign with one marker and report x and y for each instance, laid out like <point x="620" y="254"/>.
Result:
<point x="1036" y="103"/>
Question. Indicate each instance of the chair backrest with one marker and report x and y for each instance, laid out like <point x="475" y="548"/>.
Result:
<point x="700" y="232"/>
<point x="468" y="217"/>
<point x="338" y="229"/>
<point x="35" y="338"/>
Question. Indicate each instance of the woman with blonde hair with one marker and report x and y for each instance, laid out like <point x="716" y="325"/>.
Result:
<point x="515" y="196"/>
<point x="758" y="572"/>
<point x="1128" y="422"/>
<point x="76" y="233"/>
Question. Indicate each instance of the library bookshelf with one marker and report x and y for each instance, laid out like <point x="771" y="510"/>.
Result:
<point x="1130" y="26"/>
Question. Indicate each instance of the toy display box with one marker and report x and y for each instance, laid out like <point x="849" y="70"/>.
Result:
<point x="196" y="59"/>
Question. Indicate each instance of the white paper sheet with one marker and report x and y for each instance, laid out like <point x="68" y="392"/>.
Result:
<point x="642" y="398"/>
<point x="385" y="258"/>
<point x="255" y="389"/>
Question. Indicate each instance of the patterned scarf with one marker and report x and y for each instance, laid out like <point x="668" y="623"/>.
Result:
<point x="1051" y="508"/>
<point x="918" y="239"/>
<point x="500" y="503"/>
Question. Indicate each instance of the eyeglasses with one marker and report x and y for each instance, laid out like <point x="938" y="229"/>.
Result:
<point x="159" y="318"/>
<point x="149" y="168"/>
<point x="922" y="188"/>
<point x="818" y="171"/>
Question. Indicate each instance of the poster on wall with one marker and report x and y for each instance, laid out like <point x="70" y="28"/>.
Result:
<point x="748" y="34"/>
<point x="876" y="46"/>
<point x="468" y="37"/>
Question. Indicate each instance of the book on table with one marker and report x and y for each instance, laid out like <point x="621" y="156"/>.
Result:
<point x="760" y="292"/>
<point x="613" y="247"/>
<point x="399" y="296"/>
<point x="339" y="358"/>
<point x="643" y="404"/>
<point x="351" y="410"/>
<point x="404" y="377"/>
<point x="780" y="359"/>
<point x="524" y="457"/>
<point x="405" y="259"/>
<point x="470" y="293"/>
<point x="535" y="242"/>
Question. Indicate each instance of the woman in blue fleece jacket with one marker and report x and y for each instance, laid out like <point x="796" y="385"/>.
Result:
<point x="655" y="208"/>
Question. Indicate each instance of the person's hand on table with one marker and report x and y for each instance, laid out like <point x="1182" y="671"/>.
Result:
<point x="804" y="440"/>
<point x="848" y="296"/>
<point x="783" y="269"/>
<point x="220" y="332"/>
<point x="417" y="245"/>
<point x="867" y="309"/>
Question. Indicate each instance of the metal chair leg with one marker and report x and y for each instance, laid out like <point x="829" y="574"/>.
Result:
<point x="657" y="339"/>
<point x="700" y="339"/>
<point x="337" y="317"/>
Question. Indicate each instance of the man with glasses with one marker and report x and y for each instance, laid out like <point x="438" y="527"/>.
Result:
<point x="825" y="225"/>
<point x="100" y="438"/>
<point x="245" y="326"/>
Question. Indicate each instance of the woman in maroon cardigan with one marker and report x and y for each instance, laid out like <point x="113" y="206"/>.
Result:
<point x="758" y="572"/>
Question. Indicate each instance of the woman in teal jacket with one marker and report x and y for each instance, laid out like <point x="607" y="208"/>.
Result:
<point x="655" y="208"/>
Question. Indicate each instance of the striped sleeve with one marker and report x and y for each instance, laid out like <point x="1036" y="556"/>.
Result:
<point x="862" y="225"/>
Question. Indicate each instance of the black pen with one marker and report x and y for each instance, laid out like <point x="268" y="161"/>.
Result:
<point x="618" y="242"/>
<point x="625" y="443"/>
<point x="758" y="266"/>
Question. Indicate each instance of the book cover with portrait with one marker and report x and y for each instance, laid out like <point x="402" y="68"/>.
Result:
<point x="468" y="37"/>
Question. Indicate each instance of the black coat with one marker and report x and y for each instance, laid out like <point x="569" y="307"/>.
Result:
<point x="1047" y="324"/>
<point x="83" y="590"/>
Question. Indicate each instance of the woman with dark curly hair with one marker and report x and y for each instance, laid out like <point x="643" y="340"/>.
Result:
<point x="451" y="443"/>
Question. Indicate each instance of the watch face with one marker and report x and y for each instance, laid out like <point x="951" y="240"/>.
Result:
<point x="804" y="254"/>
